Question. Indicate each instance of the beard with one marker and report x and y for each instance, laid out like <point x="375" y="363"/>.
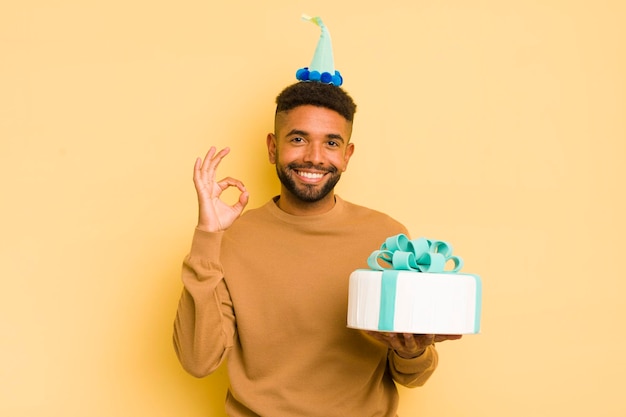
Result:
<point x="309" y="193"/>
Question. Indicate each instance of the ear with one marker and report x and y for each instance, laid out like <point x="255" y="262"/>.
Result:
<point x="347" y="155"/>
<point x="271" y="147"/>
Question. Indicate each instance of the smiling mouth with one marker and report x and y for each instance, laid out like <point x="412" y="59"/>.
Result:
<point x="310" y="175"/>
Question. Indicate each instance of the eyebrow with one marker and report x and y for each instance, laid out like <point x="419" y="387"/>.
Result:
<point x="298" y="132"/>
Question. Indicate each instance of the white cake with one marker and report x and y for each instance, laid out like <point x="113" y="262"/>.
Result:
<point x="414" y="302"/>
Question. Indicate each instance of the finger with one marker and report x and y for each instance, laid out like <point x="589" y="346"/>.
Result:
<point x="394" y="342"/>
<point x="208" y="157"/>
<point x="224" y="183"/>
<point x="242" y="202"/>
<point x="214" y="161"/>
<point x="201" y="165"/>
<point x="243" y="196"/>
<point x="444" y="337"/>
<point x="409" y="341"/>
<point x="206" y="171"/>
<point x="424" y="339"/>
<point x="197" y="172"/>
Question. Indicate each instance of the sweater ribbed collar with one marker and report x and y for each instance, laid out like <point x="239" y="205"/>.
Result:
<point x="330" y="215"/>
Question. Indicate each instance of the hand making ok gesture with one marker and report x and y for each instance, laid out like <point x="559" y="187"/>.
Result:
<point x="214" y="215"/>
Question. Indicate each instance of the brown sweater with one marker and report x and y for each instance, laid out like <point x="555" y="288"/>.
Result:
<point x="270" y="294"/>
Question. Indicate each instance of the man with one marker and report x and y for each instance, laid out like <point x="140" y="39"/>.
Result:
<point x="267" y="289"/>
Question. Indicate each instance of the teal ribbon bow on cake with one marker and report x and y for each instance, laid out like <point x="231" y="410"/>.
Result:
<point x="399" y="253"/>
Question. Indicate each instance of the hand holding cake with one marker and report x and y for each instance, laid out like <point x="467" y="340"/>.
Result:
<point x="408" y="345"/>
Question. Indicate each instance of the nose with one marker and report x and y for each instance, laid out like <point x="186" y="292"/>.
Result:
<point x="314" y="154"/>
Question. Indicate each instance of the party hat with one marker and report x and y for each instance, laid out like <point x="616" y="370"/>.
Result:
<point x="322" y="68"/>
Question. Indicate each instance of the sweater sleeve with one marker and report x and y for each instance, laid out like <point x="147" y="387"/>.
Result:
<point x="205" y="322"/>
<point x="413" y="372"/>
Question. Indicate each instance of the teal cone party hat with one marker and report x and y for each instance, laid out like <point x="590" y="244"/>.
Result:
<point x="322" y="68"/>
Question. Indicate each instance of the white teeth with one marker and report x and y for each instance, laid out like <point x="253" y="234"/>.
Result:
<point x="310" y="175"/>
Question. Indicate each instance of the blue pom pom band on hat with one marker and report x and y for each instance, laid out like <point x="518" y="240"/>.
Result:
<point x="322" y="68"/>
<point x="303" y="74"/>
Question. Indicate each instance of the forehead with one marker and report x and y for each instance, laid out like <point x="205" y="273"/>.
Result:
<point x="313" y="119"/>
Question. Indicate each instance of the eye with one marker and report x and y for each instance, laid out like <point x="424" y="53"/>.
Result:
<point x="333" y="144"/>
<point x="297" y="139"/>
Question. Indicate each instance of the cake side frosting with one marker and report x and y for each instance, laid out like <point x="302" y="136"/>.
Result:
<point x="428" y="303"/>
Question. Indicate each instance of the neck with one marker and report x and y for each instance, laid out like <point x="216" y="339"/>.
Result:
<point x="291" y="205"/>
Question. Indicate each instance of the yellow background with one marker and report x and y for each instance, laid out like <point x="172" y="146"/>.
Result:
<point x="495" y="125"/>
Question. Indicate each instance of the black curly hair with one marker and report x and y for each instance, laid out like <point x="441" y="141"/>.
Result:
<point x="316" y="94"/>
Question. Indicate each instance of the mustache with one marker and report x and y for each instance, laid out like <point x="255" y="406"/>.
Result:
<point x="330" y="169"/>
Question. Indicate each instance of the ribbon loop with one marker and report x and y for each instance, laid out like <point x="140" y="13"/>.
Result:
<point x="404" y="260"/>
<point x="398" y="242"/>
<point x="441" y="247"/>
